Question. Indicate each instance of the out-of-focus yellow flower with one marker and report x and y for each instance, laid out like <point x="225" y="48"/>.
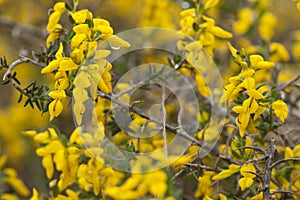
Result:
<point x="259" y="196"/>
<point x="35" y="194"/>
<point x="298" y="4"/>
<point x="267" y="25"/>
<point x="245" y="19"/>
<point x="278" y="53"/>
<point x="13" y="180"/>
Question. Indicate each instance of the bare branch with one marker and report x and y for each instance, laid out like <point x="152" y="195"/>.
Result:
<point x="284" y="160"/>
<point x="292" y="81"/>
<point x="251" y="147"/>
<point x="21" y="61"/>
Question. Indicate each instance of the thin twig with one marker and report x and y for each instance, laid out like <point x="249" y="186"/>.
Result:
<point x="292" y="81"/>
<point x="284" y="160"/>
<point x="21" y="61"/>
<point x="140" y="83"/>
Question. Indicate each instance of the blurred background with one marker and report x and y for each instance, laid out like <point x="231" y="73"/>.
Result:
<point x="22" y="31"/>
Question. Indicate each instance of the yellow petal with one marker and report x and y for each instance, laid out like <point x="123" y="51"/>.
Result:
<point x="246" y="170"/>
<point x="245" y="182"/>
<point x="232" y="50"/>
<point x="117" y="42"/>
<point x="77" y="40"/>
<point x="55" y="108"/>
<point x="255" y="59"/>
<point x="48" y="165"/>
<point x="60" y="7"/>
<point x="98" y="21"/>
<point x="82" y="29"/>
<point x="82" y="80"/>
<point x="53" y="20"/>
<point x="280" y="109"/>
<point x="288" y="153"/>
<point x="67" y="64"/>
<point x="219" y="32"/>
<point x="238" y="109"/>
<point x="264" y="65"/>
<point x="227" y="173"/>
<point x="57" y="94"/>
<point x="210" y="4"/>
<point x="35" y="195"/>
<point x="53" y="65"/>
<point x="77" y="56"/>
<point x="255" y="94"/>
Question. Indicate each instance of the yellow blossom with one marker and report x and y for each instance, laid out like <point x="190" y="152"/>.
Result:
<point x="278" y="53"/>
<point x="245" y="19"/>
<point x="258" y="62"/>
<point x="55" y="108"/>
<point x="267" y="25"/>
<point x="280" y="109"/>
<point x="60" y="7"/>
<point x="81" y="16"/>
<point x="54" y="64"/>
<point x="57" y="94"/>
<point x="247" y="170"/>
<point x="227" y="173"/>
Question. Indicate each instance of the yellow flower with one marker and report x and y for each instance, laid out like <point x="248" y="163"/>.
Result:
<point x="55" y="108"/>
<point x="3" y="160"/>
<point x="278" y="53"/>
<point x="247" y="170"/>
<point x="188" y="12"/>
<point x="245" y="19"/>
<point x="82" y="29"/>
<point x="249" y="106"/>
<point x="267" y="25"/>
<point x="54" y="64"/>
<point x="60" y="7"/>
<point x="7" y="196"/>
<point x="77" y="56"/>
<point x="57" y="94"/>
<point x="259" y="196"/>
<point x="81" y="16"/>
<point x="258" y="62"/>
<point x="67" y="64"/>
<point x="210" y="4"/>
<point x="157" y="183"/>
<point x="53" y="20"/>
<point x="298" y="4"/>
<point x="35" y="194"/>
<point x="13" y="180"/>
<point x="227" y="173"/>
<point x="280" y="109"/>
<point x="204" y="186"/>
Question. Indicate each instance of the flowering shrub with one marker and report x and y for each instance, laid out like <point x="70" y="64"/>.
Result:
<point x="250" y="154"/>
